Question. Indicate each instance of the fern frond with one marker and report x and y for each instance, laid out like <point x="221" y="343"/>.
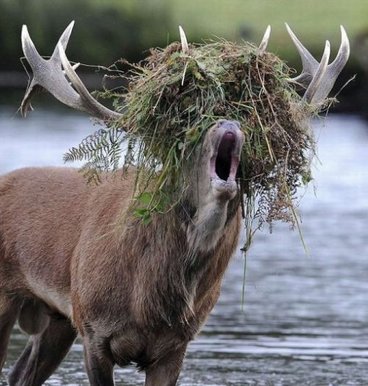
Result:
<point x="102" y="150"/>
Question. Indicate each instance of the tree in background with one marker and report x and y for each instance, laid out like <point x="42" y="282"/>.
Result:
<point x="104" y="32"/>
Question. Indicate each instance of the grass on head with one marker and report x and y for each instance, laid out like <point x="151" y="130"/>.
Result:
<point x="173" y="98"/>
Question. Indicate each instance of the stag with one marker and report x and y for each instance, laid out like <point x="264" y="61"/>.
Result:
<point x="135" y="293"/>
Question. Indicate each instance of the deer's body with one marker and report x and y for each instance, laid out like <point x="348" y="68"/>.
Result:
<point x="40" y="243"/>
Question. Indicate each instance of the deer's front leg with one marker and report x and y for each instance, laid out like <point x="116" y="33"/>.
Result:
<point x="166" y="371"/>
<point x="99" y="362"/>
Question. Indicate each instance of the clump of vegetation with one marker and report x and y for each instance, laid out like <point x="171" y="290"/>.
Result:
<point x="174" y="97"/>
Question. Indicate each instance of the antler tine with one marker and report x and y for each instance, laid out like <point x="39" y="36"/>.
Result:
<point x="32" y="57"/>
<point x="315" y="84"/>
<point x="29" y="48"/>
<point x="64" y="38"/>
<point x="344" y="52"/>
<point x="319" y="78"/>
<point x="334" y="69"/>
<point x="266" y="37"/>
<point x="309" y="64"/>
<point x="90" y="104"/>
<point x="48" y="74"/>
<point x="184" y="41"/>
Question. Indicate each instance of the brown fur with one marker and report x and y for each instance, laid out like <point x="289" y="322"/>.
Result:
<point x="136" y="293"/>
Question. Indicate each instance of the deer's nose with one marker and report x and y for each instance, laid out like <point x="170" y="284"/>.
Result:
<point x="229" y="125"/>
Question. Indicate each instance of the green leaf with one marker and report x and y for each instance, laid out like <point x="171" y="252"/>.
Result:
<point x="145" y="198"/>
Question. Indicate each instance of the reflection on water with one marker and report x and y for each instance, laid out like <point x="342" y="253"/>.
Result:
<point x="305" y="318"/>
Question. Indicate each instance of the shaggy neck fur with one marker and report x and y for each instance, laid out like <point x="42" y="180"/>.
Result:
<point x="187" y="255"/>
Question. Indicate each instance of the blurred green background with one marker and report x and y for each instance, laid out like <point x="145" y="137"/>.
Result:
<point x="107" y="30"/>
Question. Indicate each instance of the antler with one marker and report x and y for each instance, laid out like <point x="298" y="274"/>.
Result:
<point x="262" y="47"/>
<point x="49" y="74"/>
<point x="319" y="78"/>
<point x="184" y="41"/>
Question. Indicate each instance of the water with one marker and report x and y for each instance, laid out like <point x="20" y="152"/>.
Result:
<point x="305" y="316"/>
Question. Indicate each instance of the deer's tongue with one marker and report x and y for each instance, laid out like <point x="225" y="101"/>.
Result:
<point x="226" y="145"/>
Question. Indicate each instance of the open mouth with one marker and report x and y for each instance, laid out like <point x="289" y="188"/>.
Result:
<point x="224" y="163"/>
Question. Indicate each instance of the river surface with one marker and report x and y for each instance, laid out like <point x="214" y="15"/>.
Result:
<point x="305" y="316"/>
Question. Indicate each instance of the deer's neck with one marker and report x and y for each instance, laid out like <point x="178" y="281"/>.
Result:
<point x="178" y="270"/>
